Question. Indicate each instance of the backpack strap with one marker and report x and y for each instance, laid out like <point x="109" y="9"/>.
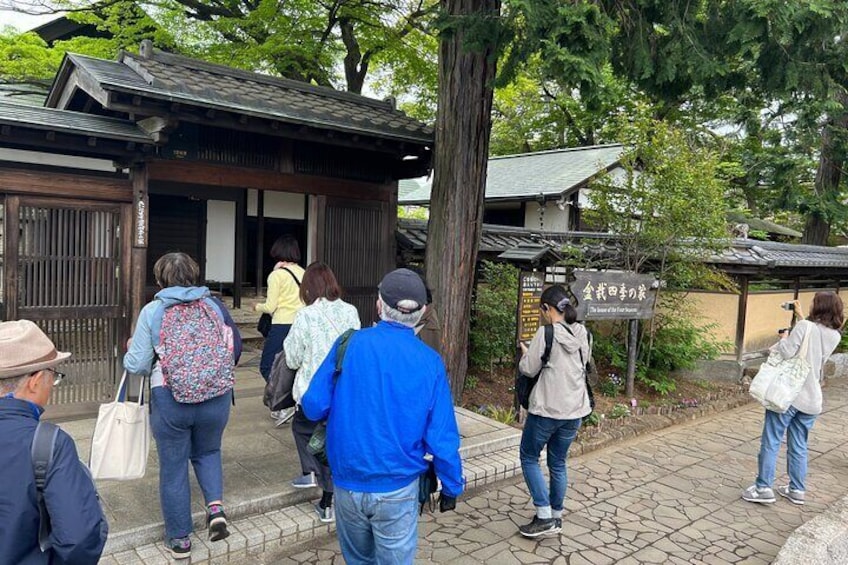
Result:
<point x="344" y="340"/>
<point x="43" y="446"/>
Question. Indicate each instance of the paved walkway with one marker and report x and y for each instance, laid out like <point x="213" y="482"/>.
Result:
<point x="668" y="497"/>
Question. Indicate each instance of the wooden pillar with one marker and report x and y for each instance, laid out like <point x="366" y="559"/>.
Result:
<point x="241" y="247"/>
<point x="741" y="317"/>
<point x="140" y="234"/>
<point x="11" y="235"/>
<point x="260" y="240"/>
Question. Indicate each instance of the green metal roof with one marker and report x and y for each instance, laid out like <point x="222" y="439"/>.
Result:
<point x="528" y="176"/>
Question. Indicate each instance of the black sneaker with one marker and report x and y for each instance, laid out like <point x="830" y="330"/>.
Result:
<point x="558" y="523"/>
<point x="216" y="521"/>
<point x="539" y="527"/>
<point x="180" y="548"/>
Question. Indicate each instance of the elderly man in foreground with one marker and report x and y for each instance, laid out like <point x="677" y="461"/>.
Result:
<point x="388" y="406"/>
<point x="77" y="527"/>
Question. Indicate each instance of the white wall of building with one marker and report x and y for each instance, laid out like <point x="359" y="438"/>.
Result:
<point x="220" y="240"/>
<point x="54" y="160"/>
<point x="553" y="219"/>
<point x="278" y="204"/>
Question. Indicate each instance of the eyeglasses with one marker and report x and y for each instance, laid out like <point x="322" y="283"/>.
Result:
<point x="57" y="376"/>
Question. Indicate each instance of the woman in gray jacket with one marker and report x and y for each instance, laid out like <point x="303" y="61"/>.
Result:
<point x="558" y="403"/>
<point x="824" y="322"/>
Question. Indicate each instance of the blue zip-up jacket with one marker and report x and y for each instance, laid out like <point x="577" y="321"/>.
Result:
<point x="390" y="405"/>
<point x="139" y="358"/>
<point x="79" y="526"/>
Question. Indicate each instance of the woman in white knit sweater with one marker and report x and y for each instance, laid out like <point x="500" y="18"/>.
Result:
<point x="823" y="325"/>
<point x="316" y="327"/>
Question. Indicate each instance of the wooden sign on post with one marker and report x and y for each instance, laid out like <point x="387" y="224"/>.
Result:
<point x="530" y="286"/>
<point x="605" y="295"/>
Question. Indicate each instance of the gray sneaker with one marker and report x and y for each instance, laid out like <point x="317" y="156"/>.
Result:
<point x="792" y="495"/>
<point x="283" y="416"/>
<point x="326" y="515"/>
<point x="760" y="495"/>
<point x="540" y="527"/>
<point x="305" y="481"/>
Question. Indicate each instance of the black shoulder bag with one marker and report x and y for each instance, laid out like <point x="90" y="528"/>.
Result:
<point x="265" y="320"/>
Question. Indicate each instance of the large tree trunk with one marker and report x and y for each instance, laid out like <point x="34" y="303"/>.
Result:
<point x="828" y="174"/>
<point x="463" y="124"/>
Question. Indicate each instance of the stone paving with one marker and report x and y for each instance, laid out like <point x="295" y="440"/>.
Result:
<point x="671" y="496"/>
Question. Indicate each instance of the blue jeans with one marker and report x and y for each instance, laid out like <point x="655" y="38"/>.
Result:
<point x="380" y="528"/>
<point x="273" y="345"/>
<point x="186" y="432"/>
<point x="557" y="435"/>
<point x="796" y="425"/>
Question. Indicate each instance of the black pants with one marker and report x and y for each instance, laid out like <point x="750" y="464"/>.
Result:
<point x="302" y="429"/>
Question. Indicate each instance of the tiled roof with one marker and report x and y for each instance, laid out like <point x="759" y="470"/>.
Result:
<point x="770" y="254"/>
<point x="528" y="175"/>
<point x="180" y="79"/>
<point x="51" y="119"/>
<point x="759" y="255"/>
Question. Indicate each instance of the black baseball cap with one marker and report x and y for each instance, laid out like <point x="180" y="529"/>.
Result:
<point x="400" y="285"/>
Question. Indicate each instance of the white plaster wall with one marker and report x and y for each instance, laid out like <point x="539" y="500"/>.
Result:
<point x="54" y="160"/>
<point x="286" y="205"/>
<point x="554" y="219"/>
<point x="220" y="240"/>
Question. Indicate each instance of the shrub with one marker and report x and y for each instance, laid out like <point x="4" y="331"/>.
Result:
<point x="498" y="413"/>
<point x="619" y="411"/>
<point x="493" y="323"/>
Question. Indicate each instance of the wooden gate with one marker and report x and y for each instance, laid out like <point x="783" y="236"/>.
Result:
<point x="359" y="245"/>
<point x="64" y="271"/>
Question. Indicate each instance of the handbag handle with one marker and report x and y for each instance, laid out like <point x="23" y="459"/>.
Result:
<point x="802" y="351"/>
<point x="122" y="390"/>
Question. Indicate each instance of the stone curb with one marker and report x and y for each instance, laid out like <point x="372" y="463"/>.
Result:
<point x="820" y="541"/>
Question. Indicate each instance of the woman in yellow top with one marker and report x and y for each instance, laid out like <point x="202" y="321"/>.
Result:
<point x="282" y="302"/>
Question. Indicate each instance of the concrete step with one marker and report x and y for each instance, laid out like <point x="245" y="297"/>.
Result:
<point x="277" y="524"/>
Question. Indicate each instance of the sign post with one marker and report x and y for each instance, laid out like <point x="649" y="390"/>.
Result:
<point x="530" y="286"/>
<point x="616" y="295"/>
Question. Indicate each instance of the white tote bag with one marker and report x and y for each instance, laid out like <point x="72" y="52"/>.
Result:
<point x="121" y="439"/>
<point x="779" y="380"/>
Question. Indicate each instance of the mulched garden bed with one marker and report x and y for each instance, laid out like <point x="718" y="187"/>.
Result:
<point x="492" y="394"/>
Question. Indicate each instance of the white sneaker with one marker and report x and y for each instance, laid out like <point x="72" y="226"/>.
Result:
<point x="283" y="416"/>
<point x="794" y="496"/>
<point x="275" y="414"/>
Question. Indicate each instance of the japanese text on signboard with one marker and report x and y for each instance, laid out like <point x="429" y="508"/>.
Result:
<point x="530" y="292"/>
<point x="613" y="295"/>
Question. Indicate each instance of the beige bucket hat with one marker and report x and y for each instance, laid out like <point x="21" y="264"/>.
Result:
<point x="25" y="349"/>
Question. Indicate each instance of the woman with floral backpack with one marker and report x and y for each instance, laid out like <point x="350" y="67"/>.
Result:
<point x="186" y="341"/>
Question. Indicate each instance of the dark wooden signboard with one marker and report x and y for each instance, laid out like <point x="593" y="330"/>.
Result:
<point x="609" y="295"/>
<point x="530" y="286"/>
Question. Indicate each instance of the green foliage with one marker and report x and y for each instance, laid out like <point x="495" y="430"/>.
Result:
<point x="471" y="382"/>
<point x="619" y="411"/>
<point x="668" y="206"/>
<point x="674" y="341"/>
<point x="413" y="212"/>
<point x="493" y="323"/>
<point x="611" y="385"/>
<point x="592" y="419"/>
<point x="499" y="413"/>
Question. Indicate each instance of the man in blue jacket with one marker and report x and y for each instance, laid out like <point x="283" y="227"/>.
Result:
<point x="389" y="405"/>
<point x="28" y="361"/>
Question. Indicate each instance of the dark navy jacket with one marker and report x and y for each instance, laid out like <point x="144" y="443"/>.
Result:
<point x="79" y="526"/>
